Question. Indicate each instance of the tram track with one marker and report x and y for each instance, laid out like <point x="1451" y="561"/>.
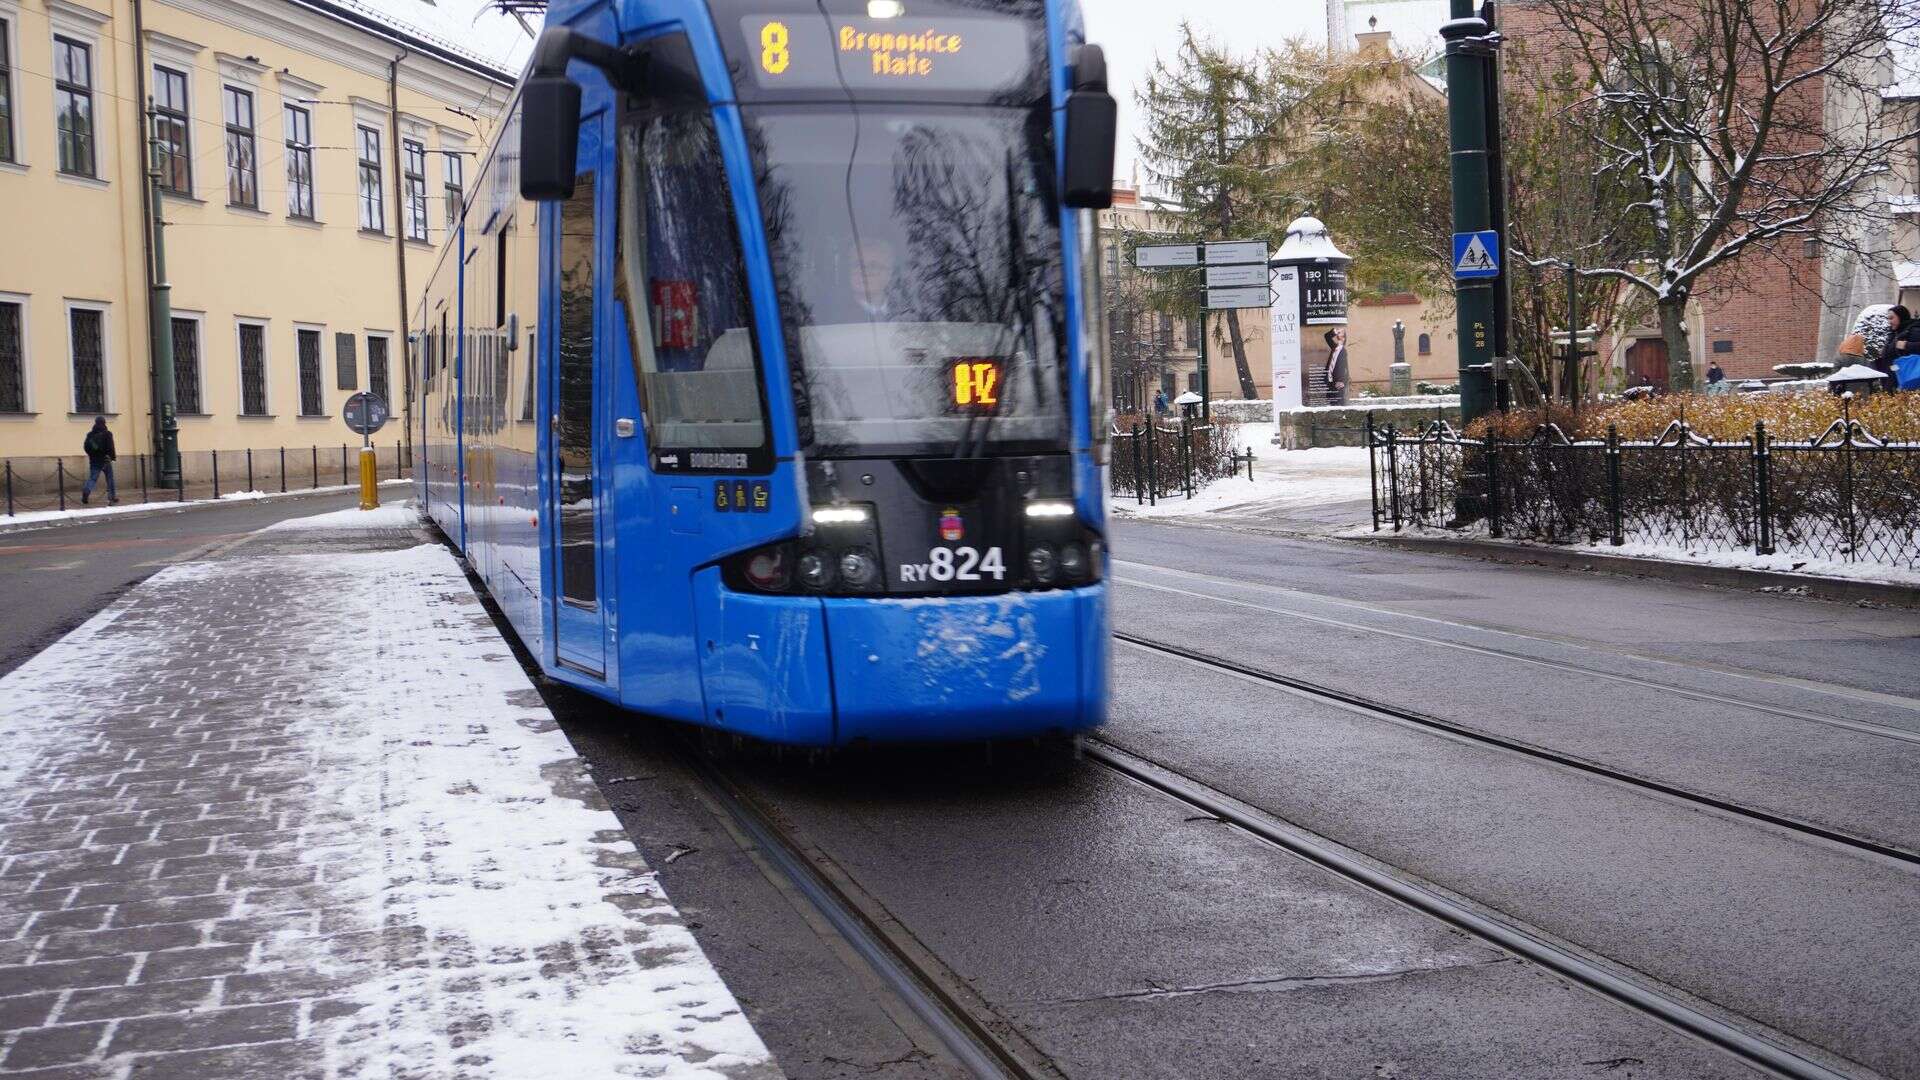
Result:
<point x="985" y="1047"/>
<point x="1433" y="724"/>
<point x="1862" y="727"/>
<point x="1773" y="1053"/>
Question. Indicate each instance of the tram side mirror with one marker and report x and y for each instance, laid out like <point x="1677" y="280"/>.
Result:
<point x="549" y="136"/>
<point x="1092" y="121"/>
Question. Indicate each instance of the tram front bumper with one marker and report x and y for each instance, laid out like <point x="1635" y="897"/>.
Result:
<point x="833" y="671"/>
<point x="968" y="667"/>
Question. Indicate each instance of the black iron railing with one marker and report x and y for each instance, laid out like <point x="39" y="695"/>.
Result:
<point x="1153" y="461"/>
<point x="1847" y="495"/>
<point x="54" y="483"/>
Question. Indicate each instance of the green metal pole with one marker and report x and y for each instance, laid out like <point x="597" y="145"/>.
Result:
<point x="1467" y="132"/>
<point x="1206" y="377"/>
<point x="161" y="306"/>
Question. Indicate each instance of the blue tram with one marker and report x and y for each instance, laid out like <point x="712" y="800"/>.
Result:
<point x="762" y="380"/>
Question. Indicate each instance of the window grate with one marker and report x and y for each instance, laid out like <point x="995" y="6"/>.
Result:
<point x="377" y="367"/>
<point x="253" y="370"/>
<point x="186" y="365"/>
<point x="372" y="213"/>
<point x="299" y="129"/>
<point x="89" y="360"/>
<point x="309" y="349"/>
<point x="13" y="374"/>
<point x="243" y="174"/>
<point x="173" y="146"/>
<point x="73" y="105"/>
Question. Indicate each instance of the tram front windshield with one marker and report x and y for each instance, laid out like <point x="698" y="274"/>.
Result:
<point x="916" y="252"/>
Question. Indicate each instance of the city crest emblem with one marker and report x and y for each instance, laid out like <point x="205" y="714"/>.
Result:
<point x="951" y="527"/>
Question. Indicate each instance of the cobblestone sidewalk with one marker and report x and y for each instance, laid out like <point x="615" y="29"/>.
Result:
<point x="289" y="815"/>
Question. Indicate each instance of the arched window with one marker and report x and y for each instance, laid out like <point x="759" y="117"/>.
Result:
<point x="1426" y="344"/>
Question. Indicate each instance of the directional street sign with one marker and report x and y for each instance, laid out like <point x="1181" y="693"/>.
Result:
<point x="1257" y="296"/>
<point x="1228" y="252"/>
<point x="1166" y="256"/>
<point x="1474" y="255"/>
<point x="364" y="413"/>
<point x="1239" y="274"/>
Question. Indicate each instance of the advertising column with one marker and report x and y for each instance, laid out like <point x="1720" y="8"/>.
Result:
<point x="1309" y="319"/>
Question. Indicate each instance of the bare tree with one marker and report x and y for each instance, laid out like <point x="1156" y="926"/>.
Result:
<point x="1139" y="339"/>
<point x="1740" y="126"/>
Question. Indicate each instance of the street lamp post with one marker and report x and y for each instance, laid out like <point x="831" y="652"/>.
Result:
<point x="160" y="305"/>
<point x="1469" y="83"/>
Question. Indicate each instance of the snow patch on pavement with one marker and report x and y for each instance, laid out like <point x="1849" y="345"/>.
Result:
<point x="79" y="513"/>
<point x="485" y="908"/>
<point x="393" y="515"/>
<point x="1283" y="479"/>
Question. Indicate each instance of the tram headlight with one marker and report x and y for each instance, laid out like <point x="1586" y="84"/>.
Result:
<point x="1073" y="562"/>
<point x="1041" y="563"/>
<point x="815" y="571"/>
<point x="859" y="568"/>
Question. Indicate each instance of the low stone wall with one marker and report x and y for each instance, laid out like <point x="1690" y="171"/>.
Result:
<point x="1300" y="429"/>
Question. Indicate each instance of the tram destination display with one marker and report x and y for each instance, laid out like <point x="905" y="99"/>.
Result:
<point x="969" y="54"/>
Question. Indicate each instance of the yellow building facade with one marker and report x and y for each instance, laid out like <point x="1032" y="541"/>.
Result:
<point x="293" y="191"/>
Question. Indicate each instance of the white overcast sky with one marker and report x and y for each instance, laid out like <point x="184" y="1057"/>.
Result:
<point x="1133" y="32"/>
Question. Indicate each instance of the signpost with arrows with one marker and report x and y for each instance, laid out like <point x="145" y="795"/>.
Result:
<point x="1236" y="277"/>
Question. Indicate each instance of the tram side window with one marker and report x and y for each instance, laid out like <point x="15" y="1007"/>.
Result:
<point x="683" y="286"/>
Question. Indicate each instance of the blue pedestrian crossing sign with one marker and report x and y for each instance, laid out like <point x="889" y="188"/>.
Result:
<point x="1476" y="255"/>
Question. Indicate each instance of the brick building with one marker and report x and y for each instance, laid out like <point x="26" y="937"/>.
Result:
<point x="1792" y="302"/>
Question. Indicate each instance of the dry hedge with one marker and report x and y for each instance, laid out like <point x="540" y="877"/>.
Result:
<point x="1722" y="417"/>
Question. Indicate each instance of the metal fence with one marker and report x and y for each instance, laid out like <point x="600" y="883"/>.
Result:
<point x="1846" y="496"/>
<point x="54" y="483"/>
<point x="1153" y="461"/>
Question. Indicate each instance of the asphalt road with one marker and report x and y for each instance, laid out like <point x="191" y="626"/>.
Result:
<point x="1119" y="934"/>
<point x="54" y="577"/>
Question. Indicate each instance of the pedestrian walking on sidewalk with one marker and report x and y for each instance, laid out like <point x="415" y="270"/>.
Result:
<point x="1875" y="336"/>
<point x="100" y="457"/>
<point x="1714" y="374"/>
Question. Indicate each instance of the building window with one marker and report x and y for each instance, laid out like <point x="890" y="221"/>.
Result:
<point x="253" y="369"/>
<point x="377" y="367"/>
<point x="13" y="350"/>
<point x="87" y="342"/>
<point x="453" y="176"/>
<point x="6" y="93"/>
<point x="309" y="355"/>
<point x="372" y="214"/>
<point x="346" y="362"/>
<point x="173" y="146"/>
<point x="1426" y="344"/>
<point x="299" y="125"/>
<point x="413" y="157"/>
<point x="186" y="365"/>
<point x="243" y="174"/>
<point x="73" y="105"/>
<point x="1193" y="334"/>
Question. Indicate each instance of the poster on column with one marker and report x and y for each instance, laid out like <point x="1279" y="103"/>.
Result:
<point x="1284" y="318"/>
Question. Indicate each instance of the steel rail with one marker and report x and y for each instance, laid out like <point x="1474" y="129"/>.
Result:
<point x="1764" y="1054"/>
<point x="1422" y="720"/>
<point x="1806" y="685"/>
<point x="972" y="1043"/>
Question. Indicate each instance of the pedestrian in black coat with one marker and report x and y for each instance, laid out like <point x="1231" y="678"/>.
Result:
<point x="100" y="458"/>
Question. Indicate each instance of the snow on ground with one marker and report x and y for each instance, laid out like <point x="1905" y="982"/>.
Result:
<point x="388" y="515"/>
<point x="78" y="512"/>
<point x="476" y="899"/>
<point x="1283" y="479"/>
<point x="1785" y="562"/>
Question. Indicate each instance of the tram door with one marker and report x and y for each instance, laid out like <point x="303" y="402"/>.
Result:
<point x="574" y="491"/>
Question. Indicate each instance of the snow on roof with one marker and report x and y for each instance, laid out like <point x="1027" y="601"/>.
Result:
<point x="472" y="29"/>
<point x="1856" y="373"/>
<point x="1908" y="274"/>
<point x="1307" y="241"/>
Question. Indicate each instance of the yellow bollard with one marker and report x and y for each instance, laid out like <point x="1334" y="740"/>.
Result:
<point x="369" y="479"/>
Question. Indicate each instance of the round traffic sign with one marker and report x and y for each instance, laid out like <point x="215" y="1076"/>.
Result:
<point x="364" y="413"/>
